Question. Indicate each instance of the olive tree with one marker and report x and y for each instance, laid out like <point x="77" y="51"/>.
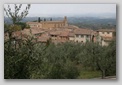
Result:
<point x="16" y="15"/>
<point x="97" y="57"/>
<point x="15" y="60"/>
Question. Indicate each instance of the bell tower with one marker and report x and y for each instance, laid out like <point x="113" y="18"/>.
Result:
<point x="65" y="18"/>
<point x="65" y="21"/>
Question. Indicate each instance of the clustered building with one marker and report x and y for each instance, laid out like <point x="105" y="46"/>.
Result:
<point x="61" y="31"/>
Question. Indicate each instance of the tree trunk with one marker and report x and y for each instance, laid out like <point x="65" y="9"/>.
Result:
<point x="103" y="74"/>
<point x="10" y="39"/>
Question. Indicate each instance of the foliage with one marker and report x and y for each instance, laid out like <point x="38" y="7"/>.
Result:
<point x="84" y="74"/>
<point x="23" y="25"/>
<point x="62" y="61"/>
<point x="16" y="16"/>
<point x="14" y="28"/>
<point x="39" y="19"/>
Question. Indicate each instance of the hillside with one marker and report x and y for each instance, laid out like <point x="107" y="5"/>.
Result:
<point x="82" y="22"/>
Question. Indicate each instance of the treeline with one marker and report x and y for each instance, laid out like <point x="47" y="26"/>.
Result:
<point x="29" y="60"/>
<point x="94" y="23"/>
<point x="94" y="26"/>
<point x="82" y="22"/>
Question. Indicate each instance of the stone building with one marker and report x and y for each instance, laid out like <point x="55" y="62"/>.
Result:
<point x="105" y="36"/>
<point x="83" y="35"/>
<point x="49" y="24"/>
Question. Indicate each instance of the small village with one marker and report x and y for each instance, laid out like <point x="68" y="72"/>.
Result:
<point x="61" y="31"/>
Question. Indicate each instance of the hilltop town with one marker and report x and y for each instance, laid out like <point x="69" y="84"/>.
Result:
<point x="60" y="31"/>
<point x="59" y="47"/>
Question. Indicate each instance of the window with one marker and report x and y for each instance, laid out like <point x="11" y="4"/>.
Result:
<point x="77" y="35"/>
<point x="87" y="36"/>
<point x="82" y="36"/>
<point x="107" y="32"/>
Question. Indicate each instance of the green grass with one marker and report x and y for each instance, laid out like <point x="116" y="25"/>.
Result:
<point x="89" y="74"/>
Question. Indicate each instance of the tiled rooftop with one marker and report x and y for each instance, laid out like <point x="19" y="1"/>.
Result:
<point x="83" y="31"/>
<point x="106" y="30"/>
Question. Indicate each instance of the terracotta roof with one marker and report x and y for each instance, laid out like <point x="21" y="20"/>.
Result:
<point x="55" y="32"/>
<point x="43" y="38"/>
<point x="64" y="33"/>
<point x="26" y="31"/>
<point x="66" y="29"/>
<point x="17" y="34"/>
<point x="36" y="30"/>
<point x="83" y="31"/>
<point x="71" y="34"/>
<point x="32" y="30"/>
<point x="106" y="30"/>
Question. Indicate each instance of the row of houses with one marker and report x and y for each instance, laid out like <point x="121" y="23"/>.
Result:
<point x="78" y="35"/>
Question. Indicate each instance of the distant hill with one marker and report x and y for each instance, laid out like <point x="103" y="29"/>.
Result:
<point x="82" y="22"/>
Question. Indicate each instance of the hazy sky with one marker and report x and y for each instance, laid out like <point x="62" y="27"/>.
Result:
<point x="69" y="9"/>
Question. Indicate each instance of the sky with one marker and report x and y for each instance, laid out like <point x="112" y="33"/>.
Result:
<point x="69" y="9"/>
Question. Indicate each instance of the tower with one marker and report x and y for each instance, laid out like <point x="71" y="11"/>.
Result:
<point x="65" y="18"/>
<point x="65" y="21"/>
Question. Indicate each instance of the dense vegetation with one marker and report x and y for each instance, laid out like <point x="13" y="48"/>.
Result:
<point x="30" y="60"/>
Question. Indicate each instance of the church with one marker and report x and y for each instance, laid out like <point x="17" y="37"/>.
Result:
<point x="49" y="24"/>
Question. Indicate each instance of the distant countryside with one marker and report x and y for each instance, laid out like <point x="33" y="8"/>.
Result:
<point x="70" y="41"/>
